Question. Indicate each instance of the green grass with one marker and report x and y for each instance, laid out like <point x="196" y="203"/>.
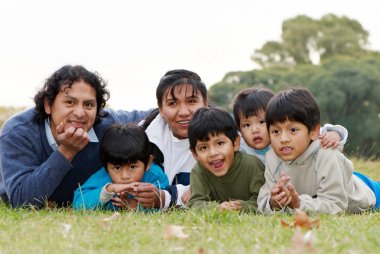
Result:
<point x="43" y="231"/>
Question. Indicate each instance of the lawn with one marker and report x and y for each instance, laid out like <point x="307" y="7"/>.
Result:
<point x="66" y="231"/>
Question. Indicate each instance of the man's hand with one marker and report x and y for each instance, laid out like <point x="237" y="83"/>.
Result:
<point x="71" y="141"/>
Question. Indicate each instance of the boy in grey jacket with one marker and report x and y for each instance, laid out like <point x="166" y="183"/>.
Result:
<point x="299" y="174"/>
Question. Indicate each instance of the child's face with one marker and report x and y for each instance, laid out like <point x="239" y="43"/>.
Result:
<point x="254" y="130"/>
<point x="217" y="154"/>
<point x="126" y="173"/>
<point x="179" y="110"/>
<point x="290" y="139"/>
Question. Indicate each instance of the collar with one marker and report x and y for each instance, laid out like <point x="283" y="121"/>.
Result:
<point x="91" y="133"/>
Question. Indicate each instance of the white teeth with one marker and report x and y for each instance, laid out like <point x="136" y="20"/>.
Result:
<point x="183" y="122"/>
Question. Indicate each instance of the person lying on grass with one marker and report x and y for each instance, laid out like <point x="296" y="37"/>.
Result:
<point x="125" y="154"/>
<point x="249" y="109"/>
<point x="223" y="177"/>
<point x="301" y="175"/>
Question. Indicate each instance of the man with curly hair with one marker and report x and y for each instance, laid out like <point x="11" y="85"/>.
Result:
<point x="48" y="150"/>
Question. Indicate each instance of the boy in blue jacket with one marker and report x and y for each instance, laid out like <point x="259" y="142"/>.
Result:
<point x="125" y="154"/>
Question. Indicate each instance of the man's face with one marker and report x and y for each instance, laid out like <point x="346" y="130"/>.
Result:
<point x="178" y="110"/>
<point x="290" y="139"/>
<point x="74" y="106"/>
<point x="217" y="154"/>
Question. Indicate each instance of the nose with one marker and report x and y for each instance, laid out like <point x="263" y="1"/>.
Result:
<point x="254" y="128"/>
<point x="213" y="151"/>
<point x="284" y="137"/>
<point x="125" y="174"/>
<point x="183" y="110"/>
<point x="79" y="111"/>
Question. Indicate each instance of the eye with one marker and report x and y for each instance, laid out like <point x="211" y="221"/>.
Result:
<point x="202" y="148"/>
<point x="69" y="102"/>
<point x="89" y="104"/>
<point x="171" y="103"/>
<point x="275" y="131"/>
<point x="116" y="167"/>
<point x="132" y="167"/>
<point x="193" y="100"/>
<point x="220" y="143"/>
<point x="262" y="121"/>
<point x="293" y="130"/>
<point x="246" y="125"/>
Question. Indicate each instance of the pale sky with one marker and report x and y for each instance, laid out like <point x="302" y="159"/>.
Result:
<point x="133" y="43"/>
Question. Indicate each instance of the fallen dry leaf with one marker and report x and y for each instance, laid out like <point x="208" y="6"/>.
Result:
<point x="172" y="231"/>
<point x="201" y="251"/>
<point x="302" y="220"/>
<point x="114" y="216"/>
<point x="66" y="229"/>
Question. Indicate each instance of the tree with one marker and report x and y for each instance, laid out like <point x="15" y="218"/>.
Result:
<point x="306" y="41"/>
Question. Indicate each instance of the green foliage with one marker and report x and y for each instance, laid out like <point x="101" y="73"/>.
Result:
<point x="304" y="38"/>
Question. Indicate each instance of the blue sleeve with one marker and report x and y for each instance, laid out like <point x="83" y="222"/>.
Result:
<point x="87" y="196"/>
<point x="122" y="116"/>
<point x="25" y="179"/>
<point x="156" y="176"/>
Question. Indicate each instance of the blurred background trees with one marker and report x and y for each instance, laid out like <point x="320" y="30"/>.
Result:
<point x="329" y="56"/>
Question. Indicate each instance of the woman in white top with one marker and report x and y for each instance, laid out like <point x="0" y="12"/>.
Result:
<point x="179" y="94"/>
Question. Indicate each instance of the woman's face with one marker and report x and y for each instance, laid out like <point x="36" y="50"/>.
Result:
<point x="179" y="110"/>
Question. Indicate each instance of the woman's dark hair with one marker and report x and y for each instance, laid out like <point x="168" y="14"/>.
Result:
<point x="67" y="76"/>
<point x="250" y="101"/>
<point x="179" y="77"/>
<point x="208" y="122"/>
<point x="123" y="144"/>
<point x="296" y="104"/>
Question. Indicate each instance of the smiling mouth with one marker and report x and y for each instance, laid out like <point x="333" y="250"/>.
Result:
<point x="77" y="125"/>
<point x="217" y="164"/>
<point x="183" y="123"/>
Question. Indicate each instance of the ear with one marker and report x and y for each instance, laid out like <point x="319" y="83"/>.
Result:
<point x="237" y="143"/>
<point x="149" y="163"/>
<point x="161" y="113"/>
<point x="47" y="106"/>
<point x="314" y="133"/>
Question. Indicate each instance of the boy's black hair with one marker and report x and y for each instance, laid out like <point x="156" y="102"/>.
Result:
<point x="68" y="75"/>
<point x="250" y="101"/>
<point x="296" y="104"/>
<point x="179" y="77"/>
<point x="123" y="144"/>
<point x="211" y="121"/>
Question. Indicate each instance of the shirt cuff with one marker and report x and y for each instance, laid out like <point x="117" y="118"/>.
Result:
<point x="105" y="196"/>
<point x="181" y="189"/>
<point x="167" y="200"/>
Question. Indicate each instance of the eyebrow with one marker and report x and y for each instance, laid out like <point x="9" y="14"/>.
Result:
<point x="75" y="99"/>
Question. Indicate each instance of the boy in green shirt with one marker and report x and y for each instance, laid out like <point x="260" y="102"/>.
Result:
<point x="224" y="177"/>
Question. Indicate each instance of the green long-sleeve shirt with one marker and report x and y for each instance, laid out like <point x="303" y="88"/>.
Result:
<point x="242" y="182"/>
